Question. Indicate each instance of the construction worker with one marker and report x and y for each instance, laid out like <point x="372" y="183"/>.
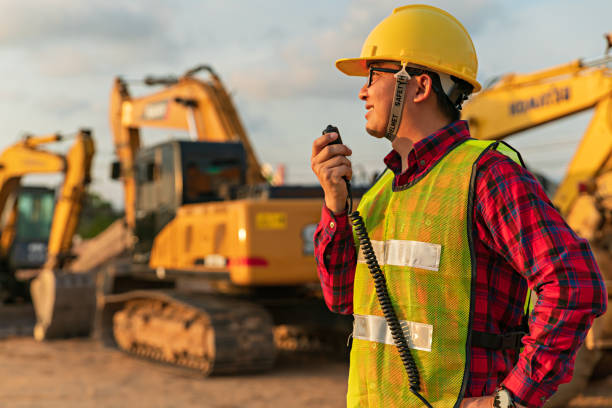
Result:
<point x="461" y="231"/>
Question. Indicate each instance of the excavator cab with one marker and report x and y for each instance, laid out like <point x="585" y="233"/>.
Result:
<point x="175" y="173"/>
<point x="35" y="207"/>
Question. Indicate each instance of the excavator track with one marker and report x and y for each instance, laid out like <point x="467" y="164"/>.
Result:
<point x="299" y="339"/>
<point x="208" y="333"/>
<point x="16" y="320"/>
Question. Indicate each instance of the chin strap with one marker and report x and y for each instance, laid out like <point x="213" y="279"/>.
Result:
<point x="395" y="116"/>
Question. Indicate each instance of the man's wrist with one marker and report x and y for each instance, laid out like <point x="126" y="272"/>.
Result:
<point x="335" y="204"/>
<point x="337" y="209"/>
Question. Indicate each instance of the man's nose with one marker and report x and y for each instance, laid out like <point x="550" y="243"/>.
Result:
<point x="363" y="92"/>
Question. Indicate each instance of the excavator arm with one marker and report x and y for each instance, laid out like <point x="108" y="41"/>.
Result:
<point x="64" y="302"/>
<point x="203" y="108"/>
<point x="523" y="101"/>
<point x="70" y="201"/>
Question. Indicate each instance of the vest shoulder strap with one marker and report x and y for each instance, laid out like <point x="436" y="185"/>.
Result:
<point x="499" y="146"/>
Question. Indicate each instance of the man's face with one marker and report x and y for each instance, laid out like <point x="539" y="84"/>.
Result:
<point x="378" y="97"/>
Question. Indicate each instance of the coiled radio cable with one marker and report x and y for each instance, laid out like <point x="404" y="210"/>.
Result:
<point x="380" y="284"/>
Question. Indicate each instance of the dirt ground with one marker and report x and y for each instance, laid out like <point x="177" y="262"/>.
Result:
<point x="83" y="373"/>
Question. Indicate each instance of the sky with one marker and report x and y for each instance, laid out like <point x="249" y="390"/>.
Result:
<point x="276" y="58"/>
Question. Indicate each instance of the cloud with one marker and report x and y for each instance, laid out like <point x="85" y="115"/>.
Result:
<point x="69" y="37"/>
<point x="276" y="57"/>
<point x="303" y="65"/>
<point x="44" y="22"/>
<point x="541" y="34"/>
<point x="64" y="107"/>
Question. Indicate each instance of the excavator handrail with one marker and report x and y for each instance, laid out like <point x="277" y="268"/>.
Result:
<point x="32" y="141"/>
<point x="169" y="80"/>
<point x="597" y="62"/>
<point x="201" y="67"/>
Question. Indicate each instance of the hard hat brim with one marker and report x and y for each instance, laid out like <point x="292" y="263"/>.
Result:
<point x="359" y="67"/>
<point x="353" y="66"/>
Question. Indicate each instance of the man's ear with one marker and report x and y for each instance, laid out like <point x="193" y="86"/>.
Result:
<point x="424" y="87"/>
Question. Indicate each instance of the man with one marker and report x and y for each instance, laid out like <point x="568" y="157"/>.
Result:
<point x="461" y="231"/>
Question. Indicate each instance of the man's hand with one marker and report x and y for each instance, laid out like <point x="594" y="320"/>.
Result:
<point x="481" y="402"/>
<point x="329" y="163"/>
<point x="478" y="402"/>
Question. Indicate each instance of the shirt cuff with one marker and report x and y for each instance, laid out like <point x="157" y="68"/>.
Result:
<point x="526" y="391"/>
<point x="333" y="223"/>
<point x="333" y="228"/>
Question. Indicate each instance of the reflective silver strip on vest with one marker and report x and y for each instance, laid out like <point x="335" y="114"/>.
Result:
<point x="374" y="328"/>
<point x="406" y="253"/>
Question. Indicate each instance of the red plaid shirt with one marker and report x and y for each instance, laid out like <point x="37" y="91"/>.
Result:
<point x="520" y="240"/>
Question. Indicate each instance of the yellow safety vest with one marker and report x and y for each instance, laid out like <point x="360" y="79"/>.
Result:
<point x="422" y="236"/>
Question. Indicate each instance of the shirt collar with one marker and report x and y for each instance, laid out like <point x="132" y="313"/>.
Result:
<point x="430" y="149"/>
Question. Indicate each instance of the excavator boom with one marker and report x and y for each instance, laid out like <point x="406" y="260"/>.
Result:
<point x="520" y="102"/>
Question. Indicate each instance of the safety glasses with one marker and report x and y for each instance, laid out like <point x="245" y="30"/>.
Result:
<point x="378" y="69"/>
<point x="411" y="71"/>
<point x="435" y="79"/>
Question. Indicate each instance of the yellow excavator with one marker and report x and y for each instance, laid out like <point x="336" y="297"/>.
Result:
<point x="36" y="233"/>
<point x="212" y="268"/>
<point x="517" y="102"/>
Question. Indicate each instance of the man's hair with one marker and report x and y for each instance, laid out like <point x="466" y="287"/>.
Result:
<point x="444" y="104"/>
<point x="446" y="107"/>
<point x="450" y="109"/>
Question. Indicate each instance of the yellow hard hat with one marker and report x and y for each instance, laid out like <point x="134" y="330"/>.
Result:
<point x="422" y="35"/>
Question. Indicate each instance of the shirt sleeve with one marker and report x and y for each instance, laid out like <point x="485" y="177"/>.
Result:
<point x="529" y="233"/>
<point x="336" y="260"/>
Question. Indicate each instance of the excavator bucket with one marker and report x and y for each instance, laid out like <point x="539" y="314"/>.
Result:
<point x="64" y="303"/>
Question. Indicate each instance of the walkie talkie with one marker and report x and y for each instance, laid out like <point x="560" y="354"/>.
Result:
<point x="333" y="129"/>
<point x="338" y="140"/>
<point x="380" y="283"/>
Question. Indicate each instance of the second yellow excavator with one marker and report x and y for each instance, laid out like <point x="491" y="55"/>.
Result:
<point x="36" y="231"/>
<point x="518" y="102"/>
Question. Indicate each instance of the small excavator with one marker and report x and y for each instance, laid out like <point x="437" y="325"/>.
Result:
<point x="517" y="102"/>
<point x="211" y="268"/>
<point x="36" y="232"/>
